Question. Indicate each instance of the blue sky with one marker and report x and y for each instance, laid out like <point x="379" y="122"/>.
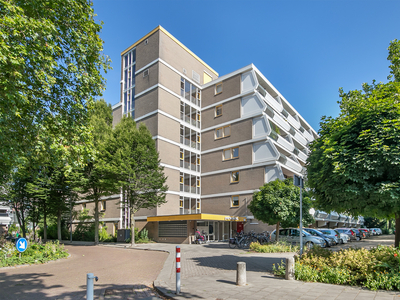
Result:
<point x="306" y="48"/>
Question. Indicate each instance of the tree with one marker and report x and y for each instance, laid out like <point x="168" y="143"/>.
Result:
<point x="278" y="202"/>
<point x="354" y="167"/>
<point x="99" y="177"/>
<point x="50" y="71"/>
<point x="140" y="174"/>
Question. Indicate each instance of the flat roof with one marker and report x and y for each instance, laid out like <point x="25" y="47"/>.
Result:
<point x="159" y="27"/>
<point x="205" y="217"/>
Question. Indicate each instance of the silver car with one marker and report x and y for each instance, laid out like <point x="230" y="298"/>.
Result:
<point x="292" y="235"/>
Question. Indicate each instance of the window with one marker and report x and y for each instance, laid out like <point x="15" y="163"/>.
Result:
<point x="218" y="88"/>
<point x="181" y="179"/>
<point x="83" y="206"/>
<point x="198" y="205"/>
<point x="230" y="153"/>
<point x="146" y="73"/>
<point x="182" y="155"/>
<point x="103" y="205"/>
<point x="198" y="182"/>
<point x="234" y="176"/>
<point x="235" y="201"/>
<point x="223" y="132"/>
<point x="218" y="111"/>
<point x="180" y="203"/>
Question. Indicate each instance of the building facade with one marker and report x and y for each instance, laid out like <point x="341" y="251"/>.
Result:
<point x="219" y="139"/>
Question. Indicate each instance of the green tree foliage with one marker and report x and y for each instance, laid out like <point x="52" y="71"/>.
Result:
<point x="99" y="175"/>
<point x="50" y="71"/>
<point x="140" y="174"/>
<point x="354" y="167"/>
<point x="278" y="202"/>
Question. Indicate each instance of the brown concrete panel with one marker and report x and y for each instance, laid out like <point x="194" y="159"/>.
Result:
<point x="179" y="58"/>
<point x="230" y="88"/>
<point x="152" y="124"/>
<point x="169" y="103"/>
<point x="173" y="179"/>
<point x="146" y="103"/>
<point x="146" y="53"/>
<point x="214" y="161"/>
<point x="169" y="208"/>
<point x="230" y="111"/>
<point x="146" y="212"/>
<point x="249" y="179"/>
<point x="168" y="128"/>
<point x="240" y="131"/>
<point x="170" y="79"/>
<point x="143" y="83"/>
<point x="168" y="153"/>
<point x="222" y="205"/>
<point x="117" y="115"/>
<point x="112" y="208"/>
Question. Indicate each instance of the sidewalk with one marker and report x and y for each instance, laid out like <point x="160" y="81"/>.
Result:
<point x="209" y="272"/>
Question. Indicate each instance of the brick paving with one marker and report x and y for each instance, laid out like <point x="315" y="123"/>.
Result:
<point x="117" y="269"/>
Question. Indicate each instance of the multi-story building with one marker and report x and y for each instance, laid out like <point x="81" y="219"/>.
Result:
<point x="219" y="138"/>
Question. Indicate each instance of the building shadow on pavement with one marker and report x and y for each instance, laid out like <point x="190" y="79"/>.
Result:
<point x="229" y="262"/>
<point x="31" y="286"/>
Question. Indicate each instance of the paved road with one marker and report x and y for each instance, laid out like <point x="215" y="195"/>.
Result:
<point x="118" y="269"/>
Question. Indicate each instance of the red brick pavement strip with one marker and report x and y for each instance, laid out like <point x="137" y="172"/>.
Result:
<point x="117" y="268"/>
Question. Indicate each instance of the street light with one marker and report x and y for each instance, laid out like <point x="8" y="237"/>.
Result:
<point x="298" y="181"/>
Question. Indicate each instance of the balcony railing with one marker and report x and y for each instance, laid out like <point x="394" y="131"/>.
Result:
<point x="190" y="189"/>
<point x="281" y="140"/>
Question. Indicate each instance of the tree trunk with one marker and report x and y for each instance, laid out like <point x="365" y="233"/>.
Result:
<point x="397" y="235"/>
<point x="132" y="215"/>
<point x="44" y="227"/>
<point x="277" y="232"/>
<point x="96" y="222"/>
<point x="59" y="226"/>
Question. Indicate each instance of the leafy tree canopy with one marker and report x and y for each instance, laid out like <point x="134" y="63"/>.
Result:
<point x="354" y="167"/>
<point x="278" y="202"/>
<point x="50" y="71"/>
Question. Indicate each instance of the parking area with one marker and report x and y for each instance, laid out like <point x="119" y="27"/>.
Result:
<point x="368" y="243"/>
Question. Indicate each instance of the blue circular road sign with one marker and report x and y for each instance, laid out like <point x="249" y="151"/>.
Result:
<point x="21" y="244"/>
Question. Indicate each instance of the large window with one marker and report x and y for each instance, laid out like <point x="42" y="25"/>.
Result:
<point x="129" y="82"/>
<point x="230" y="153"/>
<point x="222" y="132"/>
<point x="190" y="92"/>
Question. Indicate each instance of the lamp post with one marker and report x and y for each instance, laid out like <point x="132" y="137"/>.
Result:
<point x="298" y="181"/>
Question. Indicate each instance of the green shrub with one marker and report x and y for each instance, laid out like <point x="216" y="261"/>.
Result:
<point x="377" y="268"/>
<point x="52" y="232"/>
<point x="279" y="269"/>
<point x="34" y="254"/>
<point x="274" y="247"/>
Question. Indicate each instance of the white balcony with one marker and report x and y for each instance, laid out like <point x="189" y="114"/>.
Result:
<point x="308" y="136"/>
<point x="292" y="121"/>
<point x="281" y="141"/>
<point x="300" y="154"/>
<point x="288" y="162"/>
<point x="299" y="137"/>
<point x="274" y="103"/>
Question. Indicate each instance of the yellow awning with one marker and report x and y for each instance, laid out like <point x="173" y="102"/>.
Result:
<point x="205" y="217"/>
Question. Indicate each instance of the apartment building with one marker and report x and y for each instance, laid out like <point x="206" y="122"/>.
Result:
<point x="219" y="139"/>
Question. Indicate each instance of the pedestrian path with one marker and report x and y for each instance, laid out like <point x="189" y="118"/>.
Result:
<point x="208" y="271"/>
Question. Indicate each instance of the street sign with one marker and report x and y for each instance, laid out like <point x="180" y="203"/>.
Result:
<point x="298" y="181"/>
<point x="21" y="244"/>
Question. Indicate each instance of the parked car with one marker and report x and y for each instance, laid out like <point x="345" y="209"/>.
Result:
<point x="373" y="231"/>
<point x="332" y="233"/>
<point x="345" y="238"/>
<point x="329" y="241"/>
<point x="359" y="235"/>
<point x="378" y="230"/>
<point x="366" y="231"/>
<point x="351" y="234"/>
<point x="292" y="235"/>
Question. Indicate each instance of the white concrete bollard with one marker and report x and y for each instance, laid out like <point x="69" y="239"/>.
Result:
<point x="289" y="269"/>
<point x="241" y="273"/>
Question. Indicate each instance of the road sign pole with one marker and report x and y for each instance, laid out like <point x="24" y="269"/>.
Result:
<point x="301" y="218"/>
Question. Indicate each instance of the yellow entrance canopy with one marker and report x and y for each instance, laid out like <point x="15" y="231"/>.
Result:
<point x="206" y="217"/>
